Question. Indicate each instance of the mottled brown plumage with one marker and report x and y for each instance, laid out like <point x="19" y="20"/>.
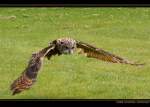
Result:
<point x="29" y="75"/>
<point x="93" y="52"/>
<point x="59" y="47"/>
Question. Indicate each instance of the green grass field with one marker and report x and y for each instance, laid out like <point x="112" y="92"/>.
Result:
<point x="122" y="31"/>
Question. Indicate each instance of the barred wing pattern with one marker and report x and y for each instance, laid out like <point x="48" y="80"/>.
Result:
<point x="101" y="54"/>
<point x="29" y="75"/>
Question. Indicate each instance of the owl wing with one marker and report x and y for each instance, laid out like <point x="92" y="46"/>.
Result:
<point x="92" y="51"/>
<point x="29" y="75"/>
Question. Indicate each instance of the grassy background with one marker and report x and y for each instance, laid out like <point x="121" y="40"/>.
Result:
<point x="123" y="31"/>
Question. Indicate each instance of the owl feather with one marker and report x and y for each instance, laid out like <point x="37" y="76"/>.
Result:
<point x="93" y="52"/>
<point x="29" y="75"/>
<point x="59" y="47"/>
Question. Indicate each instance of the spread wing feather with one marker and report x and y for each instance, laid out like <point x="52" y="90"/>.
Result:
<point x="29" y="75"/>
<point x="101" y="54"/>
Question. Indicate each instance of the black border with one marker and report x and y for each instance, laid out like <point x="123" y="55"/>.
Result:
<point x="72" y="5"/>
<point x="75" y="1"/>
<point x="70" y="102"/>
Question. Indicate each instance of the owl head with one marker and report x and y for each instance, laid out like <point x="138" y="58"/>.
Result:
<point x="66" y="45"/>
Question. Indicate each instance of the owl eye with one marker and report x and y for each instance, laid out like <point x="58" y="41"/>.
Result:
<point x="61" y="42"/>
<point x="66" y="47"/>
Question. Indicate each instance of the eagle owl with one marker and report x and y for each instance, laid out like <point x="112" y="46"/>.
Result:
<point x="59" y="47"/>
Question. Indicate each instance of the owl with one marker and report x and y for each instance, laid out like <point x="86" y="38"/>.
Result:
<point x="58" y="47"/>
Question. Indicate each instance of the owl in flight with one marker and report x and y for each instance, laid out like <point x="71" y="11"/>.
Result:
<point x="59" y="47"/>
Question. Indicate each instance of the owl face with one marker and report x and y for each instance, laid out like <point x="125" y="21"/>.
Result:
<point x="66" y="45"/>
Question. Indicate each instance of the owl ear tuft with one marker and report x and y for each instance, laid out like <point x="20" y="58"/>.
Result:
<point x="53" y="42"/>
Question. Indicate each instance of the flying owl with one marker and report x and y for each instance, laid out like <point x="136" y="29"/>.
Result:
<point x="59" y="47"/>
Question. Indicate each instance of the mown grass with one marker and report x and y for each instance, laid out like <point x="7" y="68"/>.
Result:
<point x="123" y="31"/>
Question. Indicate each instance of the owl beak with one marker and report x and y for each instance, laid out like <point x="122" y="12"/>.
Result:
<point x="70" y="51"/>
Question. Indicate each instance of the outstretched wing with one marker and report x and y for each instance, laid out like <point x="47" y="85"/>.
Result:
<point x="101" y="54"/>
<point x="29" y="75"/>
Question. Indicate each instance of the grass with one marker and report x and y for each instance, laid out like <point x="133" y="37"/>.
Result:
<point x="123" y="31"/>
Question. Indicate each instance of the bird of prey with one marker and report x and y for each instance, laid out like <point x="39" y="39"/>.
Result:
<point x="58" y="47"/>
